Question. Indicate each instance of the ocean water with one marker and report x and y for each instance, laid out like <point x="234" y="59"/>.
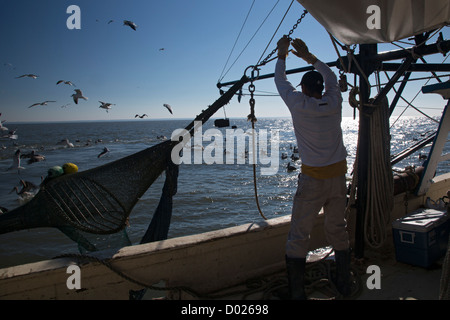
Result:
<point x="210" y="196"/>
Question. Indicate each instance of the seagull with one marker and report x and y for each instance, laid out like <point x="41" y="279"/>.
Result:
<point x="9" y="65"/>
<point x="33" y="157"/>
<point x="131" y="24"/>
<point x="41" y="103"/>
<point x="66" y="82"/>
<point x="78" y="95"/>
<point x="110" y="21"/>
<point x="168" y="107"/>
<point x="16" y="162"/>
<point x="106" y="105"/>
<point x="2" y="128"/>
<point x="28" y="76"/>
<point x="11" y="135"/>
<point x="162" y="49"/>
<point x="27" y="187"/>
<point x="105" y="151"/>
<point x="144" y="115"/>
<point x="28" y="191"/>
<point x="66" y="143"/>
<point x="291" y="167"/>
<point x="66" y="105"/>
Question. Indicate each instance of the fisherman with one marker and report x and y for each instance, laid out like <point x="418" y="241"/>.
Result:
<point x="316" y="117"/>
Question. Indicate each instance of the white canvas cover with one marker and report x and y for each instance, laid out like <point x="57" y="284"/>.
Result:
<point x="377" y="21"/>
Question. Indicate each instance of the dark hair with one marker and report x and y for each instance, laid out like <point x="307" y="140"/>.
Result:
<point x="313" y="81"/>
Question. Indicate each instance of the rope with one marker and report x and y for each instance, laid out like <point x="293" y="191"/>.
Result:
<point x="251" y="117"/>
<point x="126" y="277"/>
<point x="333" y="41"/>
<point x="380" y="180"/>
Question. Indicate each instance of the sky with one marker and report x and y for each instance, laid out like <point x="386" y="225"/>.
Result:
<point x="176" y="56"/>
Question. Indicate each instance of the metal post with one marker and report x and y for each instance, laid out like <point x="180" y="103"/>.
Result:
<point x="366" y="50"/>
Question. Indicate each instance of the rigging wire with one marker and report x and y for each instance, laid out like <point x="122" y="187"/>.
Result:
<point x="410" y="102"/>
<point x="276" y="30"/>
<point x="240" y="32"/>
<point x="251" y="39"/>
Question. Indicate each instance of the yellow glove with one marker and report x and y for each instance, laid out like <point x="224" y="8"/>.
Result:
<point x="301" y="51"/>
<point x="283" y="47"/>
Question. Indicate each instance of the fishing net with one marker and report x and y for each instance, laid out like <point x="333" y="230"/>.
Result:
<point x="96" y="201"/>
<point x="99" y="201"/>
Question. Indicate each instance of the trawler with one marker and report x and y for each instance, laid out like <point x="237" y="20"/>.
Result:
<point x="226" y="263"/>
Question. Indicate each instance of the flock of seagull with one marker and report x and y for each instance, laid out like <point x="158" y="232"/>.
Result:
<point x="78" y="93"/>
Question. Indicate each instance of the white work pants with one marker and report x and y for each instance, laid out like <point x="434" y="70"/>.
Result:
<point x="313" y="194"/>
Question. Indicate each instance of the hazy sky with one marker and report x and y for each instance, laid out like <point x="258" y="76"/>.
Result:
<point x="176" y="56"/>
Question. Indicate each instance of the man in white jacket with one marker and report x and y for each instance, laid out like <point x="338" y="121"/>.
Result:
<point x="316" y="117"/>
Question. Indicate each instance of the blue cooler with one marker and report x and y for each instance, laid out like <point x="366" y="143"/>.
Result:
<point x="421" y="238"/>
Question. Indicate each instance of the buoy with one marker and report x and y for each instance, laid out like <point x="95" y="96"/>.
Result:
<point x="69" y="168"/>
<point x="55" y="171"/>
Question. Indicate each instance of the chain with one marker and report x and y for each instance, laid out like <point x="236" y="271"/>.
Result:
<point x="289" y="36"/>
<point x="251" y="117"/>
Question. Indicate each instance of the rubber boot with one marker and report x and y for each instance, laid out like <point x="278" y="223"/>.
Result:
<point x="343" y="283"/>
<point x="296" y="277"/>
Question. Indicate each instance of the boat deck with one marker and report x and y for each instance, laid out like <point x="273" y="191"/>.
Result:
<point x="398" y="281"/>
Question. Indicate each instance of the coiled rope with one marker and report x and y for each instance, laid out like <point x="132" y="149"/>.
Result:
<point x="380" y="184"/>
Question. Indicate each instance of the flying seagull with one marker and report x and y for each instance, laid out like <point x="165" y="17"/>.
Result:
<point x="27" y="187"/>
<point x="28" y="76"/>
<point x="110" y="21"/>
<point x="11" y="135"/>
<point x="9" y="65"/>
<point x="78" y="95"/>
<point x="2" y="127"/>
<point x="105" y="151"/>
<point x="138" y="116"/>
<point x="16" y="161"/>
<point x="66" y="82"/>
<point x="168" y="107"/>
<point x="106" y="105"/>
<point x="131" y="24"/>
<point x="41" y="103"/>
